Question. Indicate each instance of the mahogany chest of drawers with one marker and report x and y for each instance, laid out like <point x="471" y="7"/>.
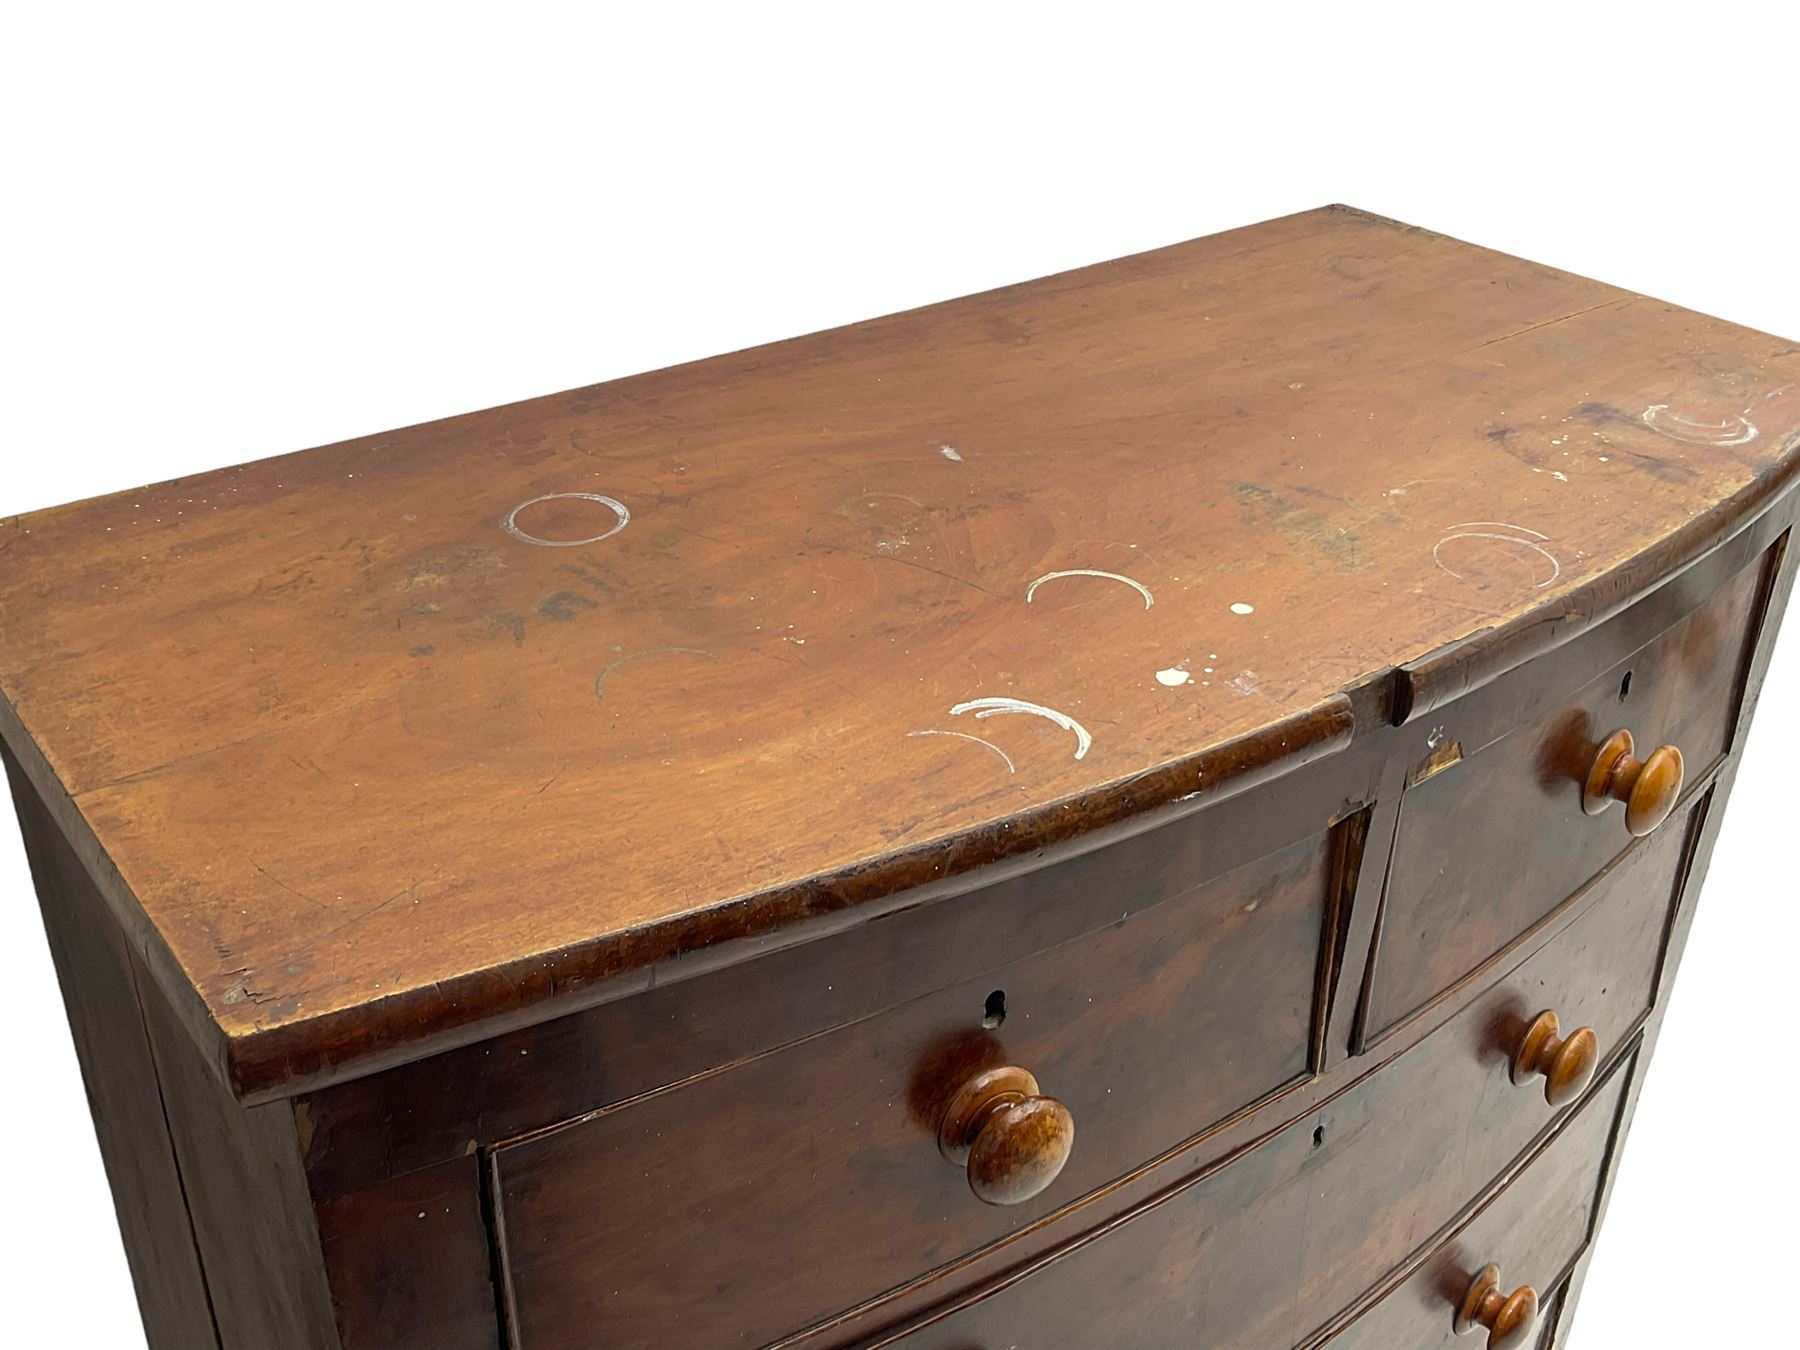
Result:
<point x="1156" y="807"/>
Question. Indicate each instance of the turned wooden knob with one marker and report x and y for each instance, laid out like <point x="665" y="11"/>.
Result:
<point x="1648" y="787"/>
<point x="1012" y="1140"/>
<point x="1567" y="1063"/>
<point x="1507" y="1317"/>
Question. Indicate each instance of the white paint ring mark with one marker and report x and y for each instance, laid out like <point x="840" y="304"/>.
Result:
<point x="1539" y="549"/>
<point x="1241" y="608"/>
<point x="511" y="521"/>
<point x="1737" y="430"/>
<point x="949" y="453"/>
<point x="976" y="740"/>
<point x="996" y="707"/>
<point x="1174" y="677"/>
<point x="1137" y="586"/>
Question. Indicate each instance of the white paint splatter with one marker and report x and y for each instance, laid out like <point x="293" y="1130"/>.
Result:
<point x="997" y="707"/>
<point x="510" y="522"/>
<point x="1174" y="677"/>
<point x="949" y="453"/>
<point x="1736" y="430"/>
<point x="1005" y="758"/>
<point x="1241" y="608"/>
<point x="1137" y="586"/>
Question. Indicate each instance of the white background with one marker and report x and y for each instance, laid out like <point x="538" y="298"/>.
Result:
<point x="232" y="232"/>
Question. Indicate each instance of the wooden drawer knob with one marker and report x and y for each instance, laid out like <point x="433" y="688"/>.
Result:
<point x="1648" y="787"/>
<point x="1012" y="1140"/>
<point x="1567" y="1063"/>
<point x="1508" y="1317"/>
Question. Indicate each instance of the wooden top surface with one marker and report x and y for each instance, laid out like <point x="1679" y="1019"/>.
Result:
<point x="383" y="756"/>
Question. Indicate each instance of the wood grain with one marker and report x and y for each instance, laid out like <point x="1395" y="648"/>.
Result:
<point x="488" y="774"/>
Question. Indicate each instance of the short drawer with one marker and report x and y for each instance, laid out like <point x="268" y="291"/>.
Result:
<point x="747" y="1204"/>
<point x="1491" y="844"/>
<point x="1521" y="1245"/>
<point x="1277" y="1244"/>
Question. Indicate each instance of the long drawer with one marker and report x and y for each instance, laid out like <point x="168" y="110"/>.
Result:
<point x="1278" y="1243"/>
<point x="749" y="1203"/>
<point x="1520" y="1245"/>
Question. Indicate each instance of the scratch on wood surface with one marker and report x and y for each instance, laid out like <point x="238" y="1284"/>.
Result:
<point x="291" y="890"/>
<point x="1551" y="323"/>
<point x="1005" y="758"/>
<point x="138" y="775"/>
<point x="927" y="567"/>
<point x="600" y="679"/>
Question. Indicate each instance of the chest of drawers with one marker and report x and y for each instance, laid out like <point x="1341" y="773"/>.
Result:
<point x="1155" y="807"/>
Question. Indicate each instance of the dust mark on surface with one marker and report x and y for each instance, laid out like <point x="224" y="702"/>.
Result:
<point x="1244" y="682"/>
<point x="949" y="453"/>
<point x="999" y="707"/>
<point x="1005" y="758"/>
<point x="621" y="518"/>
<point x="1490" y="529"/>
<point x="600" y="679"/>
<point x="1374" y="514"/>
<point x="467" y="567"/>
<point x="1311" y="532"/>
<point x="423" y="649"/>
<point x="561" y="607"/>
<point x="1735" y="430"/>
<point x="507" y="623"/>
<point x="1137" y="586"/>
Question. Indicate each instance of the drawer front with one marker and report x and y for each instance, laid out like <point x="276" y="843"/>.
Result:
<point x="1271" y="1248"/>
<point x="748" y="1204"/>
<point x="1459" y="888"/>
<point x="1532" y="1232"/>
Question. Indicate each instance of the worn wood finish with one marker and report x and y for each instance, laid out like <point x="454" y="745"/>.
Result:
<point x="1446" y="911"/>
<point x="1312" y="418"/>
<point x="702" y="1202"/>
<point x="489" y="929"/>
